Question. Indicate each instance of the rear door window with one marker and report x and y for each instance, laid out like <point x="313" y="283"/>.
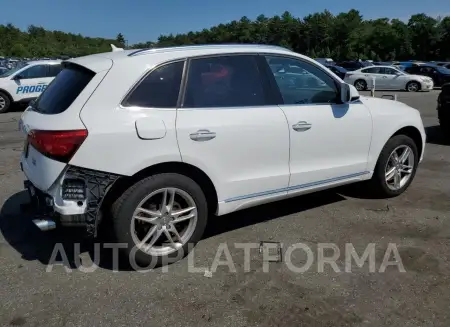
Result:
<point x="224" y="81"/>
<point x="64" y="89"/>
<point x="371" y="70"/>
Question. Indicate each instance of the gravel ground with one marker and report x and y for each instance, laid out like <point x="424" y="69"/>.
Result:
<point x="417" y="222"/>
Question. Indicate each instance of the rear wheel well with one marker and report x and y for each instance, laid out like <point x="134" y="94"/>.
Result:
<point x="196" y="174"/>
<point x="414" y="134"/>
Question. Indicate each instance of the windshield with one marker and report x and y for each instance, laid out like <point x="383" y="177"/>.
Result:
<point x="443" y="70"/>
<point x="10" y="72"/>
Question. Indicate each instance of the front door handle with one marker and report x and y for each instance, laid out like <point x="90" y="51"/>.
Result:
<point x="202" y="135"/>
<point x="301" y="126"/>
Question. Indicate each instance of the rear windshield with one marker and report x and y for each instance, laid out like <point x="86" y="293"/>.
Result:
<point x="63" y="90"/>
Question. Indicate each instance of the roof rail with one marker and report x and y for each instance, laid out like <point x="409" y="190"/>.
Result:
<point x="209" y="46"/>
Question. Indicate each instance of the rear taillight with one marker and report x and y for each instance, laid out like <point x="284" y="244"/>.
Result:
<point x="57" y="145"/>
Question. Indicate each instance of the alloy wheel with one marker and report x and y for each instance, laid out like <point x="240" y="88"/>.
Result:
<point x="413" y="87"/>
<point x="2" y="102"/>
<point x="359" y="85"/>
<point x="164" y="221"/>
<point x="399" y="167"/>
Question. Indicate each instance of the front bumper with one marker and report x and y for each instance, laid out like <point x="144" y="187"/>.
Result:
<point x="54" y="204"/>
<point x="427" y="86"/>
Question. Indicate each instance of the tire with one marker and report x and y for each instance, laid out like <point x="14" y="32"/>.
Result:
<point x="413" y="87"/>
<point x="5" y="103"/>
<point x="360" y="85"/>
<point x="445" y="127"/>
<point x="444" y="122"/>
<point x="378" y="182"/>
<point x="123" y="209"/>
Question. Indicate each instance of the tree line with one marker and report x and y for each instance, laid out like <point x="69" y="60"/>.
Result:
<point x="342" y="36"/>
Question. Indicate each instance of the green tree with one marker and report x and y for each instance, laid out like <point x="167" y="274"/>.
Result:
<point x="120" y="40"/>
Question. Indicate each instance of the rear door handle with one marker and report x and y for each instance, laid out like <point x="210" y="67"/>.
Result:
<point x="301" y="126"/>
<point x="202" y="135"/>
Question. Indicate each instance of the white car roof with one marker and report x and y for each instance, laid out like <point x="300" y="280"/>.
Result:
<point x="384" y="66"/>
<point x="44" y="62"/>
<point x="99" y="62"/>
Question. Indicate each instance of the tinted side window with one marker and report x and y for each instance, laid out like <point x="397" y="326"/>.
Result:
<point x="301" y="82"/>
<point x="159" y="89"/>
<point x="225" y="81"/>
<point x="351" y="65"/>
<point x="54" y="70"/>
<point x="38" y="71"/>
<point x="388" y="71"/>
<point x="426" y="70"/>
<point x="371" y="70"/>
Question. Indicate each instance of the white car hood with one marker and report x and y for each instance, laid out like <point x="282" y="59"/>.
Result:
<point x="387" y="107"/>
<point x="420" y="77"/>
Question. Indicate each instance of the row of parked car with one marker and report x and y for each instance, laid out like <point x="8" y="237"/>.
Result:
<point x="411" y="76"/>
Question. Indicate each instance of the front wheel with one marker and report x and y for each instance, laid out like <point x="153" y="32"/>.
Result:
<point x="444" y="122"/>
<point x="412" y="87"/>
<point x="396" y="166"/>
<point x="160" y="218"/>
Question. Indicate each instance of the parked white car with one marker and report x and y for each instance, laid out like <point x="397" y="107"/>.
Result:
<point x="26" y="83"/>
<point x="150" y="142"/>
<point x="387" y="78"/>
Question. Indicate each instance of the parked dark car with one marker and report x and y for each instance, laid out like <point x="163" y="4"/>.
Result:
<point x="439" y="74"/>
<point x="382" y="63"/>
<point x="443" y="108"/>
<point x="338" y="70"/>
<point x="354" y="65"/>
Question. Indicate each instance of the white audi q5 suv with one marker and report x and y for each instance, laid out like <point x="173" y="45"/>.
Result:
<point x="152" y="141"/>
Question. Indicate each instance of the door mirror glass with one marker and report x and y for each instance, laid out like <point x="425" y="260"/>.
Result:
<point x="348" y="93"/>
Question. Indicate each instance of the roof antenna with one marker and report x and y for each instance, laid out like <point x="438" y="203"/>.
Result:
<point x="114" y="48"/>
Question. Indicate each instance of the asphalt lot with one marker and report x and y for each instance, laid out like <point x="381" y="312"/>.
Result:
<point x="417" y="222"/>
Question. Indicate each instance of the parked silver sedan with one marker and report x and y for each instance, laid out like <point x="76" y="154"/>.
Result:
<point x="387" y="78"/>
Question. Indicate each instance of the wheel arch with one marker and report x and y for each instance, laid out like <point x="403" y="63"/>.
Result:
<point x="414" y="134"/>
<point x="408" y="130"/>
<point x="413" y="81"/>
<point x="191" y="171"/>
<point x="7" y="94"/>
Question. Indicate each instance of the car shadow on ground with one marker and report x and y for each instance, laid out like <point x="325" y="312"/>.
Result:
<point x="21" y="234"/>
<point x="435" y="135"/>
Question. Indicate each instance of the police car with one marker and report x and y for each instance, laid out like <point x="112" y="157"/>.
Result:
<point x="26" y="82"/>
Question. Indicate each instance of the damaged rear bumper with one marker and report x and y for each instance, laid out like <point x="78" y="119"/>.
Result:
<point x="74" y="200"/>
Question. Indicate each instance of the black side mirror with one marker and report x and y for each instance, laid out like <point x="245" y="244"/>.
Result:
<point x="17" y="77"/>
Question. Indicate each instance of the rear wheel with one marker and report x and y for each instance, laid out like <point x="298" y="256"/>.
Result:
<point x="396" y="166"/>
<point x="413" y="87"/>
<point x="160" y="219"/>
<point x="360" y="85"/>
<point x="5" y="103"/>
